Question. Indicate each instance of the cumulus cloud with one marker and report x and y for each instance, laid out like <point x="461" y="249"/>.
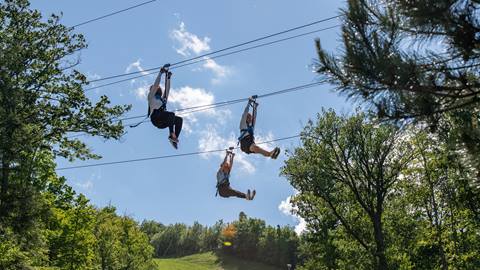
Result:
<point x="288" y="209"/>
<point x="87" y="185"/>
<point x="189" y="43"/>
<point x="220" y="72"/>
<point x="141" y="92"/>
<point x="187" y="97"/>
<point x="190" y="97"/>
<point x="93" y="76"/>
<point x="211" y="140"/>
<point x="136" y="66"/>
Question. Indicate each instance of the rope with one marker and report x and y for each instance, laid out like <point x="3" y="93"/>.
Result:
<point x="234" y="101"/>
<point x="113" y="13"/>
<point x="194" y="109"/>
<point x="217" y="56"/>
<point x="167" y="156"/>
<point x="222" y="50"/>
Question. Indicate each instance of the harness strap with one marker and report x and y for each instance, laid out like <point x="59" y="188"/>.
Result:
<point x="244" y="132"/>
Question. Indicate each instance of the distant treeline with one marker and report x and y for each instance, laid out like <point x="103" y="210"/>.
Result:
<point x="246" y="238"/>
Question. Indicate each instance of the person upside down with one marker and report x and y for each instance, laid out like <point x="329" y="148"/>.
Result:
<point x="223" y="180"/>
<point x="247" y="138"/>
<point x="157" y="108"/>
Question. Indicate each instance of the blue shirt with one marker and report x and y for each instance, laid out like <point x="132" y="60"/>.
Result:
<point x="222" y="177"/>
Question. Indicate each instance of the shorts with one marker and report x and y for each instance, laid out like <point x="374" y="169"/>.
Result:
<point x="246" y="142"/>
<point x="162" y="119"/>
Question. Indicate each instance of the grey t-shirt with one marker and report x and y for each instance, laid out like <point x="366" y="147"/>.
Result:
<point x="222" y="176"/>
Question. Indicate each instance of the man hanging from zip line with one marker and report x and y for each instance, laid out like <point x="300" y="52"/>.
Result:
<point x="247" y="126"/>
<point x="157" y="108"/>
<point x="223" y="180"/>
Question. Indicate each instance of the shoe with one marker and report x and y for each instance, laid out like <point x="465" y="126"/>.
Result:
<point x="275" y="153"/>
<point x="248" y="195"/>
<point x="253" y="194"/>
<point x="174" y="142"/>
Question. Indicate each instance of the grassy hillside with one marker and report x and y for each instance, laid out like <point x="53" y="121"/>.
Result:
<point x="209" y="261"/>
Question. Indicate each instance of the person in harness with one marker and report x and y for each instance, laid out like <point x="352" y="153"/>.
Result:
<point x="157" y="108"/>
<point x="223" y="182"/>
<point x="247" y="126"/>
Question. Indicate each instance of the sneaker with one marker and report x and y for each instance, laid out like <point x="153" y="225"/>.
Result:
<point x="275" y="153"/>
<point x="253" y="194"/>
<point x="174" y="142"/>
<point x="248" y="195"/>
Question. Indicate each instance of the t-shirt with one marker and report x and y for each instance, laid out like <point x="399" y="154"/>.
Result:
<point x="222" y="177"/>
<point x="155" y="100"/>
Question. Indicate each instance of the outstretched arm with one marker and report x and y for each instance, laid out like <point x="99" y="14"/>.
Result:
<point x="254" y="114"/>
<point x="157" y="82"/>
<point x="231" y="159"/>
<point x="226" y="158"/>
<point x="243" y="120"/>
<point x="153" y="89"/>
<point x="167" y="85"/>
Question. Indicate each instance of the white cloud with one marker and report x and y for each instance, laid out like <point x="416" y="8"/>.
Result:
<point x="189" y="43"/>
<point x="136" y="65"/>
<point x="188" y="97"/>
<point x="288" y="209"/>
<point x="87" y="185"/>
<point x="220" y="72"/>
<point x="92" y="76"/>
<point x="141" y="92"/>
<point x="211" y="140"/>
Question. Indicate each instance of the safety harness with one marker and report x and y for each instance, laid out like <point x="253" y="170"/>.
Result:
<point x="157" y="96"/>
<point x="225" y="180"/>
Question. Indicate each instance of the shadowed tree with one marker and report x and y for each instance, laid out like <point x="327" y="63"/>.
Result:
<point x="347" y="167"/>
<point x="42" y="101"/>
<point x="413" y="59"/>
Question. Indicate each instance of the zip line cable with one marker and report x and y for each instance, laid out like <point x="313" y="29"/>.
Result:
<point x="113" y="13"/>
<point x="234" y="101"/>
<point x="224" y="49"/>
<point x="216" y="56"/>
<point x="194" y="109"/>
<point x="167" y="156"/>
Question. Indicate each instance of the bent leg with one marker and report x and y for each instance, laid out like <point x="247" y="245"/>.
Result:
<point x="256" y="149"/>
<point x="178" y="125"/>
<point x="171" y="122"/>
<point x="226" y="191"/>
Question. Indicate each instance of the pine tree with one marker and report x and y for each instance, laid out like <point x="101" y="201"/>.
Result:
<point x="413" y="60"/>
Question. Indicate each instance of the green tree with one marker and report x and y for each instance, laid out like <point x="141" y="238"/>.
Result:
<point x="74" y="239"/>
<point x="349" y="166"/>
<point x="413" y="59"/>
<point x="136" y="252"/>
<point x="107" y="231"/>
<point x="41" y="101"/>
<point x="151" y="227"/>
<point x="433" y="188"/>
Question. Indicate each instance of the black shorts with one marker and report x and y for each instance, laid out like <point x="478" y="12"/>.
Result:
<point x="246" y="142"/>
<point x="162" y="119"/>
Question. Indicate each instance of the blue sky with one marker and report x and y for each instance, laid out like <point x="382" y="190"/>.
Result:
<point x="182" y="189"/>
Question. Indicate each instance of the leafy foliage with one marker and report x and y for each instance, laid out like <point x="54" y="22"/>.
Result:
<point x="368" y="190"/>
<point x="413" y="59"/>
